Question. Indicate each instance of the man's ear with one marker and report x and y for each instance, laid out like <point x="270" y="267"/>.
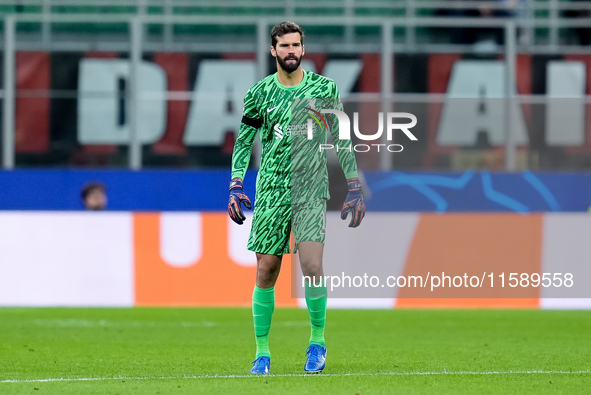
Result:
<point x="273" y="52"/>
<point x="303" y="49"/>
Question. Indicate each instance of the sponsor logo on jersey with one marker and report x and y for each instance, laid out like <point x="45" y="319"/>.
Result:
<point x="278" y="131"/>
<point x="289" y="130"/>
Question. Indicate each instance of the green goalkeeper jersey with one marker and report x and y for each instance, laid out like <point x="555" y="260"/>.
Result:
<point x="293" y="165"/>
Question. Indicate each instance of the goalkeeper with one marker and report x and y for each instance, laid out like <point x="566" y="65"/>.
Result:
<point x="292" y="185"/>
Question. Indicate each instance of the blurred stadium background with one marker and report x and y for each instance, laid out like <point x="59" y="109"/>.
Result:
<point x="145" y="96"/>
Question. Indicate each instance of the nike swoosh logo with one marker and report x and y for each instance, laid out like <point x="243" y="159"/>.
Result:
<point x="257" y="315"/>
<point x="271" y="109"/>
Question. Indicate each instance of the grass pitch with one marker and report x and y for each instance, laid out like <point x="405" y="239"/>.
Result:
<point x="210" y="350"/>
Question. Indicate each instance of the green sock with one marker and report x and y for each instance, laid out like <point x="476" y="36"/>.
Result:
<point x="263" y="304"/>
<point x="316" y="301"/>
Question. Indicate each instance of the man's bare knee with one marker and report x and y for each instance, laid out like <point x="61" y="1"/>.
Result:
<point x="268" y="267"/>
<point x="310" y="256"/>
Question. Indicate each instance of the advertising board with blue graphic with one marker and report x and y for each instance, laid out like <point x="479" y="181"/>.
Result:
<point x="158" y="190"/>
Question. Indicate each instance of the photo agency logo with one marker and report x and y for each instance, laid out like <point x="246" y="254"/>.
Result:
<point x="345" y="130"/>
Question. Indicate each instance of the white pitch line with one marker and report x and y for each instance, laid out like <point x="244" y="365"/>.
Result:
<point x="243" y="376"/>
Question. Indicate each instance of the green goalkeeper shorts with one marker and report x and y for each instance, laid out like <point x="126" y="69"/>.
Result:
<point x="272" y="226"/>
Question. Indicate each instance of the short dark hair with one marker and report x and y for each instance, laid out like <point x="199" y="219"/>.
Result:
<point x="284" y="28"/>
<point x="91" y="186"/>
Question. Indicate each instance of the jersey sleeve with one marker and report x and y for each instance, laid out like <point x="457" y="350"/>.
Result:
<point x="249" y="126"/>
<point x="345" y="152"/>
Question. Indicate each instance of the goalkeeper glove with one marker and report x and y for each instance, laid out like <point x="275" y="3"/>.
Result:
<point x="354" y="203"/>
<point x="237" y="198"/>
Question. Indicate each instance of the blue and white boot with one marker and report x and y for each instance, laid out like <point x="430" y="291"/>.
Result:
<point x="261" y="365"/>
<point x="316" y="359"/>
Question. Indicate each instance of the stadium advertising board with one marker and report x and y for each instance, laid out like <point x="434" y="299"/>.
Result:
<point x="180" y="259"/>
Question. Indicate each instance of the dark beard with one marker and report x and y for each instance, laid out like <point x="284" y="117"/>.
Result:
<point x="291" y="67"/>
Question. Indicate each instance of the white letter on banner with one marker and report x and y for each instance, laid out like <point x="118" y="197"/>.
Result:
<point x="474" y="103"/>
<point x="218" y="82"/>
<point x="102" y="112"/>
<point x="343" y="72"/>
<point x="565" y="114"/>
